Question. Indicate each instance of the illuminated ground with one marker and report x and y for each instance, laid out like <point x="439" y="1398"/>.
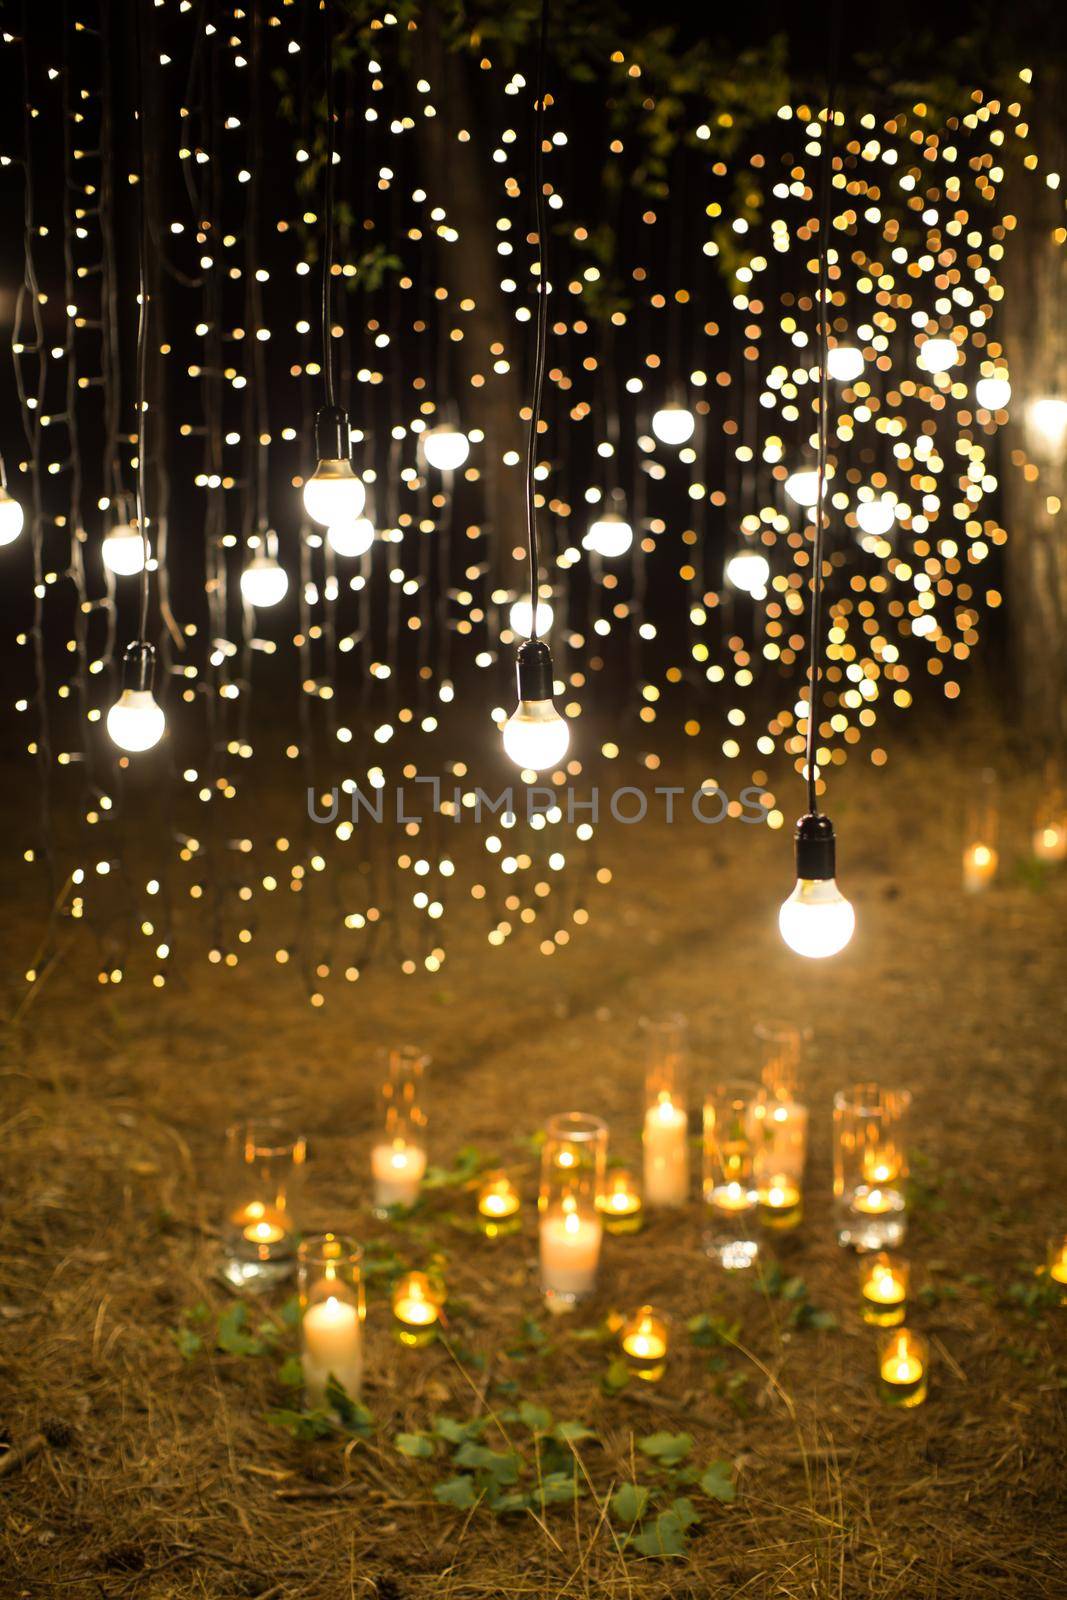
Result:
<point x="171" y="1483"/>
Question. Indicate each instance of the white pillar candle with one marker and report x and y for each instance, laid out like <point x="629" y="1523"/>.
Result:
<point x="666" y="1151"/>
<point x="570" y="1251"/>
<point x="332" y="1343"/>
<point x="397" y="1171"/>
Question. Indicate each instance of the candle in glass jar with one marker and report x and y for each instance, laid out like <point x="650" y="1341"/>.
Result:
<point x="417" y="1305"/>
<point x="731" y="1197"/>
<point x="397" y="1169"/>
<point x="643" y="1339"/>
<point x="666" y="1153"/>
<point x="261" y="1224"/>
<point x="1050" y="841"/>
<point x="779" y="1203"/>
<point x="1057" y="1266"/>
<point x="332" y="1344"/>
<point x="570" y="1253"/>
<point x="872" y="1202"/>
<point x="498" y="1205"/>
<point x="902" y="1368"/>
<point x="620" y="1204"/>
<point x="979" y="867"/>
<point x="884" y="1290"/>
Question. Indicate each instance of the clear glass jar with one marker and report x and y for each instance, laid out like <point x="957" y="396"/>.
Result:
<point x="729" y="1174"/>
<point x="332" y="1310"/>
<point x="264" y="1175"/>
<point x="398" y="1159"/>
<point x="870" y="1166"/>
<point x="573" y="1162"/>
<point x="665" y="1134"/>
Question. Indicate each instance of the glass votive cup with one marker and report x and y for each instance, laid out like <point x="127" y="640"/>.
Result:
<point x="619" y="1203"/>
<point x="499" y="1206"/>
<point x="779" y="1203"/>
<point x="332" y="1310"/>
<point x="643" y="1340"/>
<point x="570" y="1225"/>
<point x="1056" y="1263"/>
<point x="665" y="1132"/>
<point x="870" y="1169"/>
<point x="883" y="1280"/>
<point x="417" y="1303"/>
<point x="729" y="1183"/>
<point x="398" y="1158"/>
<point x="903" y="1361"/>
<point x="264" y="1174"/>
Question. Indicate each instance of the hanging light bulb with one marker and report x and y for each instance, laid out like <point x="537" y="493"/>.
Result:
<point x="535" y="735"/>
<point x="673" y="423"/>
<point x="993" y="393"/>
<point x="938" y="355"/>
<point x="11" y="518"/>
<point x="264" y="582"/>
<point x="844" y="363"/>
<point x="123" y="550"/>
<point x="1046" y="426"/>
<point x="876" y="517"/>
<point x="609" y="535"/>
<point x="333" y="494"/>
<point x="803" y="487"/>
<point x="816" y="921"/>
<point x="351" y="538"/>
<point x="521" y="618"/>
<point x="135" y="722"/>
<point x="445" y="447"/>
<point x="748" y="570"/>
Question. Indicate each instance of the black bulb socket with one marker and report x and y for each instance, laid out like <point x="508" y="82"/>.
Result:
<point x="816" y="847"/>
<point x="534" y="670"/>
<point x="331" y="434"/>
<point x="138" y="666"/>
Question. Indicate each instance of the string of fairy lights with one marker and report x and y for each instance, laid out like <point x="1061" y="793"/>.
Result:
<point x="284" y="494"/>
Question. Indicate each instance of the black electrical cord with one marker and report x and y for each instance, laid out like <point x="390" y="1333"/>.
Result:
<point x="142" y="333"/>
<point x="826" y="186"/>
<point x="327" y="245"/>
<point x="537" y="166"/>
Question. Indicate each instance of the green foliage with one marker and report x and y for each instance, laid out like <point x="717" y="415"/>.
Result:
<point x="717" y="1482"/>
<point x="663" y="1536"/>
<point x="458" y="1492"/>
<point x="667" y="1448"/>
<point x="189" y="1343"/>
<point x="628" y="1504"/>
<point x="779" y="1285"/>
<point x="232" y="1335"/>
<point x="419" y="1446"/>
<point x="706" y="1331"/>
<point x="468" y="1163"/>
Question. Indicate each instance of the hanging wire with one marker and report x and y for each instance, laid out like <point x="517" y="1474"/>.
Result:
<point x="826" y="187"/>
<point x="327" y="246"/>
<point x="541" y="335"/>
<point x="142" y="333"/>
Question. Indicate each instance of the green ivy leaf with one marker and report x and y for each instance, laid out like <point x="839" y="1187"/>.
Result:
<point x="557" y="1489"/>
<point x="291" y="1372"/>
<point x="685" y="1511"/>
<point x="459" y="1492"/>
<point x="616" y="1377"/>
<point x="502" y="1465"/>
<point x="454" y="1432"/>
<point x="290" y="1312"/>
<point x="232" y="1335"/>
<point x="500" y="1502"/>
<point x="718" y="1482"/>
<point x="572" y="1432"/>
<point x="536" y="1418"/>
<point x="189" y="1343"/>
<point x="706" y="1331"/>
<point x="417" y="1445"/>
<point x="350" y="1413"/>
<point x="629" y="1502"/>
<point x="664" y="1537"/>
<point x="670" y="1448"/>
<point x="305" y="1426"/>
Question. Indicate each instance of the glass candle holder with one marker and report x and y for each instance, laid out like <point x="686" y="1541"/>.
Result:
<point x="264" y="1174"/>
<point x="643" y="1339"/>
<point x="1050" y="820"/>
<point x="779" y="1202"/>
<point x="980" y="857"/>
<point x="498" y="1206"/>
<point x="398" y="1159"/>
<point x="620" y="1204"/>
<point x="883" y="1289"/>
<point x="903" y="1359"/>
<point x="870" y="1125"/>
<point x="780" y="1046"/>
<point x="417" y="1303"/>
<point x="729" y="1177"/>
<point x="1057" y="1265"/>
<point x="573" y="1158"/>
<point x="332" y="1310"/>
<point x="665" y="1135"/>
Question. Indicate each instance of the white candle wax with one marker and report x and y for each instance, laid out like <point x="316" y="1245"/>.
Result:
<point x="779" y="1135"/>
<point x="570" y="1251"/>
<point x="666" y="1152"/>
<point x="397" y="1171"/>
<point x="332" y="1343"/>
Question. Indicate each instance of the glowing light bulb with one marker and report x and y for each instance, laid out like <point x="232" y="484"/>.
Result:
<point x="351" y="538"/>
<point x="876" y="517"/>
<point x="844" y="363"/>
<point x="673" y="424"/>
<point x="536" y="736"/>
<point x="334" y="495"/>
<point x="748" y="570"/>
<point x="264" y="582"/>
<point x="123" y="550"/>
<point x="11" y="518"/>
<point x="993" y="393"/>
<point x="1046" y="425"/>
<point x="520" y="617"/>
<point x="816" y="921"/>
<point x="938" y="355"/>
<point x="135" y="722"/>
<point x="803" y="487"/>
<point x="445" y="447"/>
<point x="609" y="535"/>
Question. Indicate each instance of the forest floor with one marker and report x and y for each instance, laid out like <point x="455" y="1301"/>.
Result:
<point x="158" y="1472"/>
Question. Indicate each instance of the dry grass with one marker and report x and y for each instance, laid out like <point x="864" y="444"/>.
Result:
<point x="172" y="1484"/>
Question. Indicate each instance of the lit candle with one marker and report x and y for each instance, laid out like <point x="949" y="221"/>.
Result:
<point x="1057" y="1266"/>
<point x="416" y="1308"/>
<point x="779" y="1203"/>
<point x="644" y="1343"/>
<point x="884" y="1290"/>
<point x="731" y="1197"/>
<point x="872" y="1202"/>
<point x="979" y="867"/>
<point x="570" y="1252"/>
<point x="332" y="1344"/>
<point x="880" y="1164"/>
<point x="498" y="1205"/>
<point x="666" y="1152"/>
<point x="261" y="1224"/>
<point x="902" y="1368"/>
<point x="620" y="1204"/>
<point x="397" y="1168"/>
<point x="1050" y="841"/>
